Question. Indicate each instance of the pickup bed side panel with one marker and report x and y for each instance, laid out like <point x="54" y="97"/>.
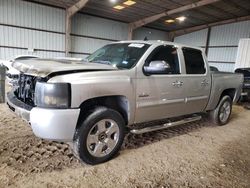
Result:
<point x="220" y="82"/>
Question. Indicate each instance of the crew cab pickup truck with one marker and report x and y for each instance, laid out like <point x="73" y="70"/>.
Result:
<point x="92" y="103"/>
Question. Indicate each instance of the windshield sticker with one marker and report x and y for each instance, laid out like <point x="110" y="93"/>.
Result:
<point x="124" y="62"/>
<point x="136" y="45"/>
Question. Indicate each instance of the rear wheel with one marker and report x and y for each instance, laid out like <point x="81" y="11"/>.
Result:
<point x="100" y="136"/>
<point x="221" y="114"/>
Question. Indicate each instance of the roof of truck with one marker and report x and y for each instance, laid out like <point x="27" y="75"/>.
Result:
<point x="158" y="42"/>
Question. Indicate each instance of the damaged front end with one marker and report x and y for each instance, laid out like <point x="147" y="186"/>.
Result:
<point x="30" y="91"/>
<point x="21" y="99"/>
<point x="24" y="88"/>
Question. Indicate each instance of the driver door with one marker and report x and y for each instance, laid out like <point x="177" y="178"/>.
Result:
<point x="161" y="96"/>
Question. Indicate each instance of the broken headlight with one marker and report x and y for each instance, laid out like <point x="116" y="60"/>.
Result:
<point x="53" y="95"/>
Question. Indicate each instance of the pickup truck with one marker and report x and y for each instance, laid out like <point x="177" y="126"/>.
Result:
<point x="91" y="104"/>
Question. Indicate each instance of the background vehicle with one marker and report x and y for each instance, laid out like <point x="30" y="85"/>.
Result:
<point x="246" y="85"/>
<point x="91" y="104"/>
<point x="212" y="68"/>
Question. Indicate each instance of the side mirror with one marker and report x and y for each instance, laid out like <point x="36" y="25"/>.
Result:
<point x="157" y="67"/>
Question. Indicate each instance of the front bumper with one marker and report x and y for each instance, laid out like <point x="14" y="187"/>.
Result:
<point x="50" y="124"/>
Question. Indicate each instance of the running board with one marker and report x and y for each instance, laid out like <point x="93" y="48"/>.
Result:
<point x="166" y="125"/>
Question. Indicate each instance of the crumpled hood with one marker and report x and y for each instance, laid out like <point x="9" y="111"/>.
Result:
<point x="44" y="67"/>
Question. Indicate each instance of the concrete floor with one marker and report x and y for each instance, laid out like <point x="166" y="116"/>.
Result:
<point x="194" y="155"/>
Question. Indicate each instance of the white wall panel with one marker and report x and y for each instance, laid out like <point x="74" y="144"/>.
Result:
<point x="222" y="54"/>
<point x="26" y="14"/>
<point x="229" y="34"/>
<point x="99" y="27"/>
<point x="86" y="45"/>
<point x="151" y="34"/>
<point x="197" y="38"/>
<point x="18" y="37"/>
<point x="10" y="53"/>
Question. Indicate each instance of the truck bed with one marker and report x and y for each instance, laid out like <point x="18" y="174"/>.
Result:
<point x="222" y="81"/>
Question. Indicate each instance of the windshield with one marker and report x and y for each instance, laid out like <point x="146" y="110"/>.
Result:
<point x="120" y="55"/>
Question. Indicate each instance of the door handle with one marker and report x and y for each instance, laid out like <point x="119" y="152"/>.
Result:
<point x="177" y="83"/>
<point x="204" y="82"/>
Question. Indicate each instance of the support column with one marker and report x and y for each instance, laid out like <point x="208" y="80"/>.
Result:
<point x="130" y="32"/>
<point x="170" y="36"/>
<point x="208" y="40"/>
<point x="69" y="13"/>
<point x="67" y="34"/>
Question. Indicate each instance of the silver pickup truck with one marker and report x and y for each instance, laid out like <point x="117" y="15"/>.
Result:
<point x="93" y="103"/>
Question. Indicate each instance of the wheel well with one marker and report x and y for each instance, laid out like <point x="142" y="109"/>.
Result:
<point x="118" y="103"/>
<point x="229" y="92"/>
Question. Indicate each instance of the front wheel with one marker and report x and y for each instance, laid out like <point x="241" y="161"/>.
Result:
<point x="100" y="136"/>
<point x="221" y="114"/>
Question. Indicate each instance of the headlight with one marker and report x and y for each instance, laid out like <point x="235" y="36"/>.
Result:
<point x="53" y="95"/>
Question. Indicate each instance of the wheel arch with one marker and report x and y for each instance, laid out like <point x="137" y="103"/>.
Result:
<point x="231" y="92"/>
<point x="216" y="98"/>
<point x="119" y="103"/>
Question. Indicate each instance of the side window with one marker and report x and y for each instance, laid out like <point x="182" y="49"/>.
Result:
<point x="194" y="61"/>
<point x="167" y="54"/>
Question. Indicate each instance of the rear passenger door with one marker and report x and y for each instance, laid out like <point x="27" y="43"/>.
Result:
<point x="197" y="80"/>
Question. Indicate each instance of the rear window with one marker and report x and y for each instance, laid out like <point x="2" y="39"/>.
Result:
<point x="194" y="61"/>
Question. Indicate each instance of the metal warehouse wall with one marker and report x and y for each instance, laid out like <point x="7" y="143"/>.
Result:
<point x="197" y="38"/>
<point x="27" y="26"/>
<point x="223" y="43"/>
<point x="151" y="34"/>
<point x="90" y="33"/>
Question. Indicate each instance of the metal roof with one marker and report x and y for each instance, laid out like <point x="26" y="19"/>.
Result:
<point x="219" y="11"/>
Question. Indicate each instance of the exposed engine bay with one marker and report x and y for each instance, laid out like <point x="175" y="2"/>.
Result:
<point x="24" y="88"/>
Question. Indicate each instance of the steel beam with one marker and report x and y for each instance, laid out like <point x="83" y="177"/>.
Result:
<point x="204" y="26"/>
<point x="69" y="13"/>
<point x="208" y="40"/>
<point x="153" y="18"/>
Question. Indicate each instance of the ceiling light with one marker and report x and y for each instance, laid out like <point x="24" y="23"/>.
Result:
<point x="129" y="2"/>
<point x="113" y="1"/>
<point x="118" y="7"/>
<point x="181" y="18"/>
<point x="169" y="21"/>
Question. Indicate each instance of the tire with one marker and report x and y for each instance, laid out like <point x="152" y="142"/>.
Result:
<point x="100" y="136"/>
<point x="224" y="107"/>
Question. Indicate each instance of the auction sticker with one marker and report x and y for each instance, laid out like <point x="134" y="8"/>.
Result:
<point x="136" y="45"/>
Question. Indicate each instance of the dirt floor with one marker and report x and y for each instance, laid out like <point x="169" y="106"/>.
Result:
<point x="194" y="155"/>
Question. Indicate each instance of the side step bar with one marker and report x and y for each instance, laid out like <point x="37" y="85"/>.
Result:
<point x="166" y="125"/>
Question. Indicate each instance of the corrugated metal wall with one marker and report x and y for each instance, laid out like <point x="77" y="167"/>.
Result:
<point x="223" y="43"/>
<point x="26" y="25"/>
<point x="90" y="33"/>
<point x="151" y="34"/>
<point x="197" y="38"/>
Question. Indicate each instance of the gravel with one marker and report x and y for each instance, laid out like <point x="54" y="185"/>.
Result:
<point x="194" y="155"/>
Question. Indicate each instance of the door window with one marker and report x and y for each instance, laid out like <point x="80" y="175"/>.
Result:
<point x="194" y="61"/>
<point x="167" y="54"/>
